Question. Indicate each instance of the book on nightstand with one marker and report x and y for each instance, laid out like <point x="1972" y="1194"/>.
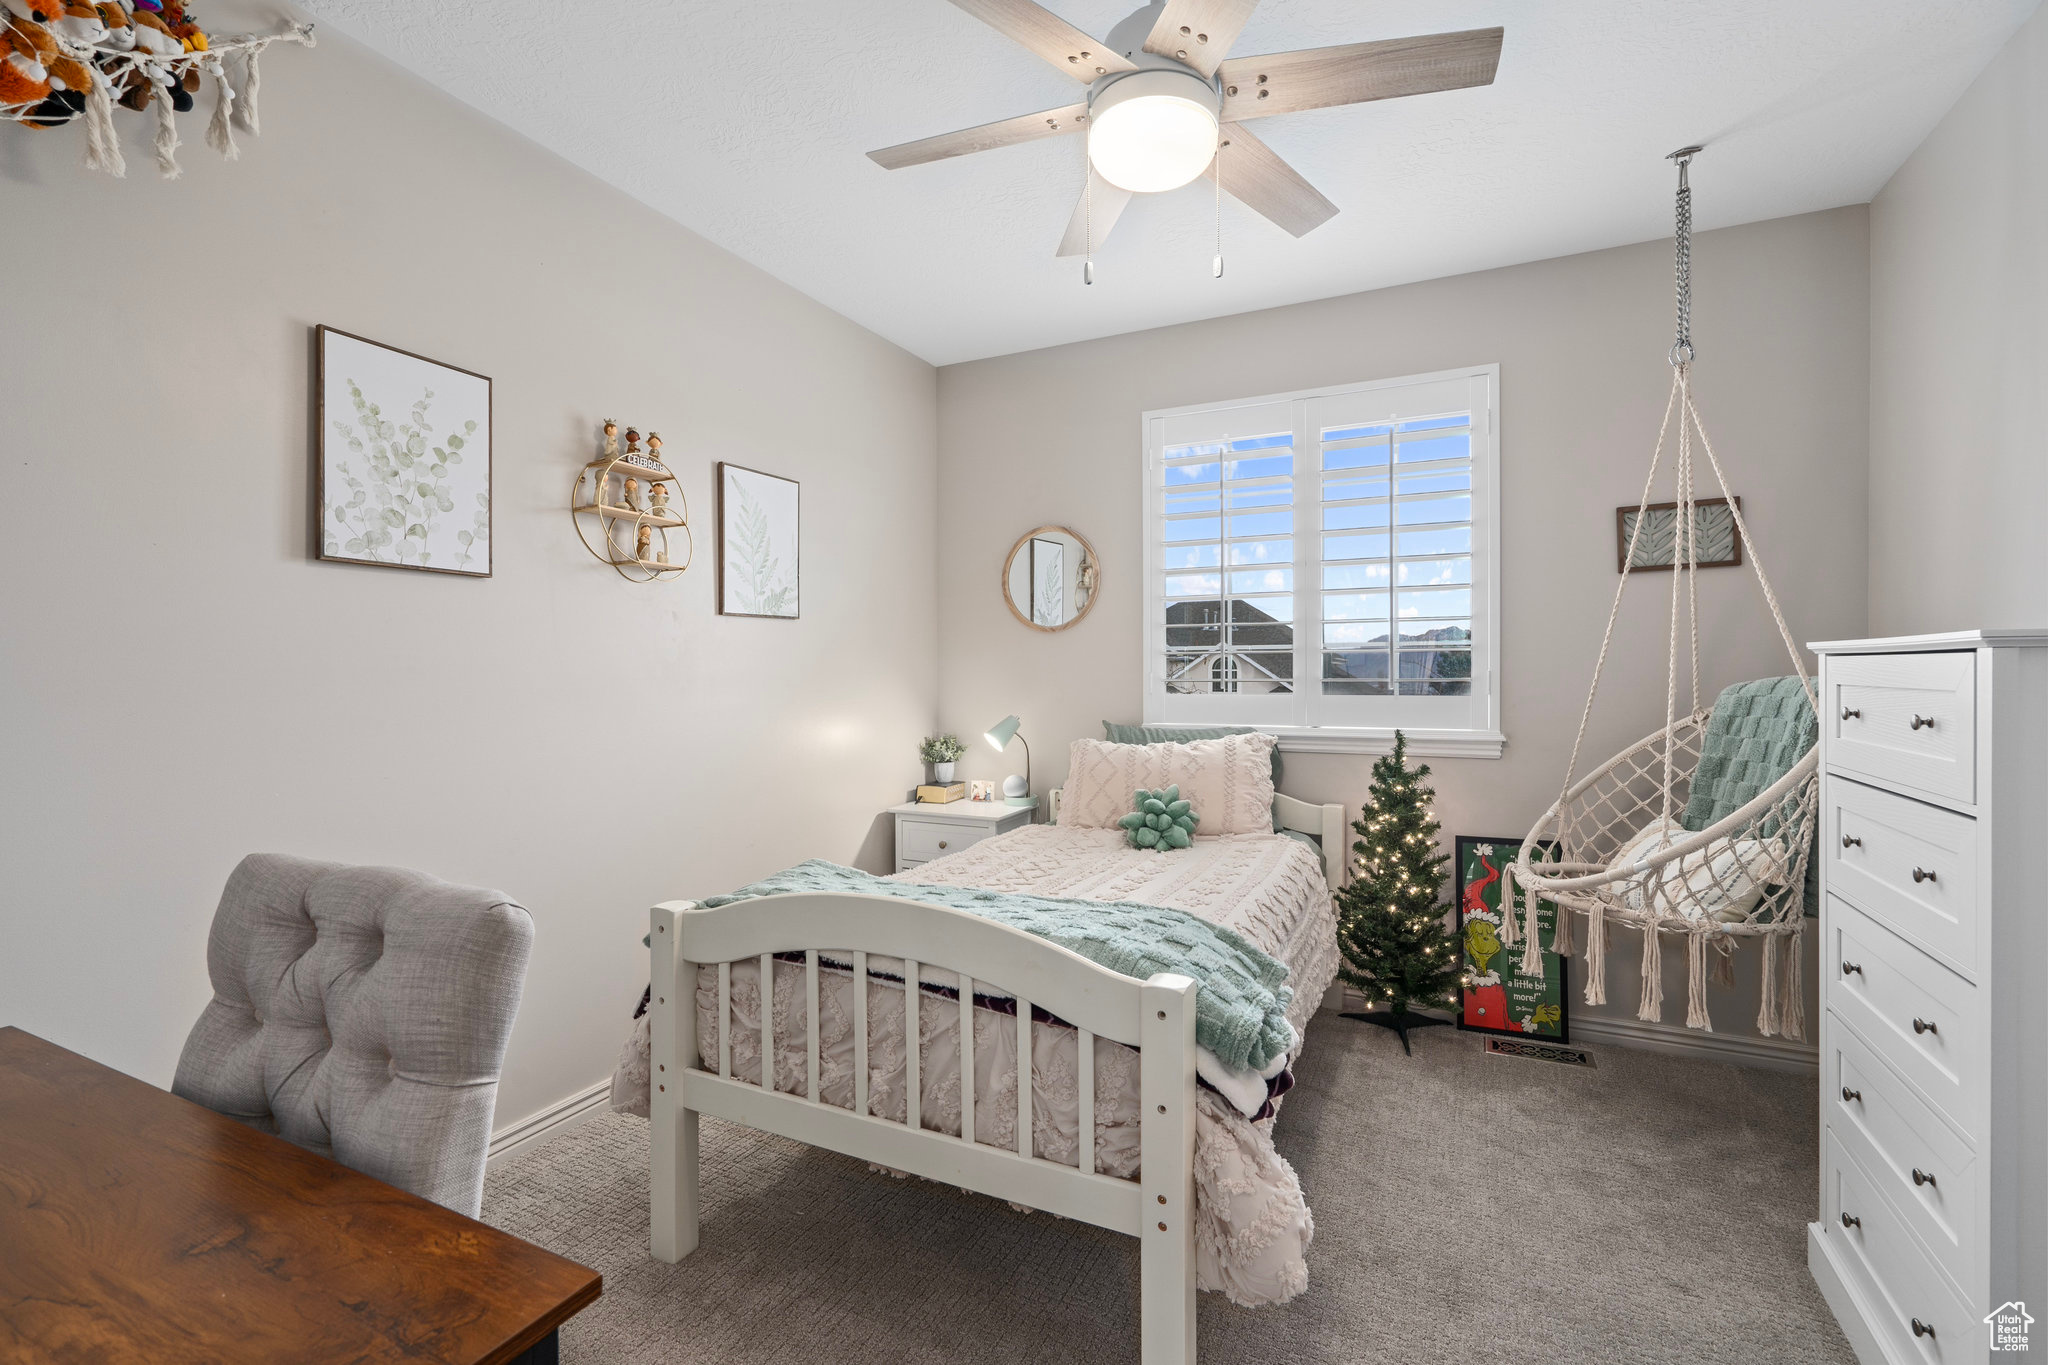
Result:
<point x="939" y="794"/>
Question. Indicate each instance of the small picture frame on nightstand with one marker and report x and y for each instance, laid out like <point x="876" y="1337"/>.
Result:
<point x="981" y="789"/>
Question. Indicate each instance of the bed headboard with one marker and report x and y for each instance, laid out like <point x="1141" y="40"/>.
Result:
<point x="1325" y="822"/>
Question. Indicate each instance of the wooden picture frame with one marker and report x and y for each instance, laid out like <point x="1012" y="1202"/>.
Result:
<point x="382" y="482"/>
<point x="751" y="517"/>
<point x="1499" y="996"/>
<point x="1654" y="551"/>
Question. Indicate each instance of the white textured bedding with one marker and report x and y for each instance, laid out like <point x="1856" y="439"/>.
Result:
<point x="1252" y="1223"/>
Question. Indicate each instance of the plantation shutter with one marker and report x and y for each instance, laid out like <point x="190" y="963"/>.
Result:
<point x="1325" y="560"/>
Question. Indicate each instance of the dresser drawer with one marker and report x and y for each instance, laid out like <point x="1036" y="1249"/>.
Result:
<point x="1891" y="1271"/>
<point x="919" y="841"/>
<point x="1910" y="866"/>
<point x="1915" y="1013"/>
<point x="1928" y="1173"/>
<point x="1908" y="719"/>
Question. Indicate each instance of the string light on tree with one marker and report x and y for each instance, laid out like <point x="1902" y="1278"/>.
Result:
<point x="1391" y="925"/>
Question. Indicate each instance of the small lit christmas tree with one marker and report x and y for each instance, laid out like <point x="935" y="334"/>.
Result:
<point x="1390" y="919"/>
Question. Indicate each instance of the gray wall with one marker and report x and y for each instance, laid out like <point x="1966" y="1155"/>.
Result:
<point x="180" y="684"/>
<point x="1783" y="332"/>
<point x="1958" y="361"/>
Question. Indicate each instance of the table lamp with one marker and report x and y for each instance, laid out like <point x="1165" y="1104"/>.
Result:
<point x="1016" y="790"/>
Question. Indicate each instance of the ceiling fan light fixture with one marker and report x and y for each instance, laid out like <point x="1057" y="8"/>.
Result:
<point x="1153" y="130"/>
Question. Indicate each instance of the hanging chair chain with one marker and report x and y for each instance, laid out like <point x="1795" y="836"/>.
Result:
<point x="1681" y="347"/>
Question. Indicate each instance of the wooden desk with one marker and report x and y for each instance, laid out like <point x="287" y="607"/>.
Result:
<point x="136" y="1226"/>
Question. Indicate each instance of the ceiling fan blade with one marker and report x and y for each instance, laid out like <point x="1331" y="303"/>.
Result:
<point x="1051" y="37"/>
<point x="1198" y="32"/>
<point x="1254" y="174"/>
<point x="1285" y="82"/>
<point x="1094" y="220"/>
<point x="1024" y="128"/>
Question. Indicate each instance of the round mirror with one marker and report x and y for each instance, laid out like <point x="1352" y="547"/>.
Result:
<point x="1050" y="578"/>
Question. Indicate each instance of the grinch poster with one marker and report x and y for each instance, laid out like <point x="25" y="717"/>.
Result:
<point x="1497" y="997"/>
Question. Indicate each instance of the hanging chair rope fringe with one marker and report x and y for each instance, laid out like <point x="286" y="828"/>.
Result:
<point x="1743" y="876"/>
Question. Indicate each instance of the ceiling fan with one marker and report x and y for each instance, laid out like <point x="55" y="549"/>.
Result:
<point x="1164" y="100"/>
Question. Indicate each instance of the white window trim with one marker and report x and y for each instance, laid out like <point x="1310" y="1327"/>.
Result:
<point x="1484" y="738"/>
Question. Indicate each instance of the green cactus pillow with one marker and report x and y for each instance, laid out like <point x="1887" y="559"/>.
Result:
<point x="1161" y="821"/>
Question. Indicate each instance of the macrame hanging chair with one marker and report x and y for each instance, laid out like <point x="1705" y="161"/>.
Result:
<point x="1613" y="847"/>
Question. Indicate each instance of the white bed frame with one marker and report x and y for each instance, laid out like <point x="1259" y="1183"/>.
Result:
<point x="1157" y="1017"/>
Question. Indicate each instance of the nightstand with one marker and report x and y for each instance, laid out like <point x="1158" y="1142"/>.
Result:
<point x="925" y="832"/>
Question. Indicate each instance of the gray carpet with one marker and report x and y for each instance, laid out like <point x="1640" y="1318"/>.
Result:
<point x="1468" y="1208"/>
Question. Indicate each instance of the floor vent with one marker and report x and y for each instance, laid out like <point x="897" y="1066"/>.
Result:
<point x="1542" y="1052"/>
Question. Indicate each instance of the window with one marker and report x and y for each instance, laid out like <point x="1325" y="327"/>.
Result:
<point x="1325" y="564"/>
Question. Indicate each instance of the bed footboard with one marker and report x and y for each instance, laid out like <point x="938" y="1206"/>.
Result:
<point x="1157" y="1017"/>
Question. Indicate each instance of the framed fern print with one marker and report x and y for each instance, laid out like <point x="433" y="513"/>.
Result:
<point x="405" y="459"/>
<point x="1048" y="582"/>
<point x="1715" y="543"/>
<point x="759" y="544"/>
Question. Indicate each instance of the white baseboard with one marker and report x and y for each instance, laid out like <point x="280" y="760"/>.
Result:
<point x="1843" y="1299"/>
<point x="551" y="1122"/>
<point x="1737" y="1049"/>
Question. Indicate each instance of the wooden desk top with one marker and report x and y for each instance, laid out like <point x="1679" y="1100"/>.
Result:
<point x="135" y="1225"/>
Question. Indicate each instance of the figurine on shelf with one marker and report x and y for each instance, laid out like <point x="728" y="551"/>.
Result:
<point x="608" y="449"/>
<point x="633" y="495"/>
<point x="640" y="546"/>
<point x="654" y="445"/>
<point x="632" y="443"/>
<point x="657" y="498"/>
<point x="661" y="556"/>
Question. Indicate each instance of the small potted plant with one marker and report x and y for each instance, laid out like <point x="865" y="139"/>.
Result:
<point x="942" y="752"/>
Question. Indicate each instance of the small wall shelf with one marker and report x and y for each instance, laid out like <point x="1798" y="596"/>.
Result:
<point x="610" y="528"/>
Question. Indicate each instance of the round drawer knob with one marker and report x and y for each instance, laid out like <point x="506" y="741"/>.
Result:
<point x="942" y="843"/>
<point x="1850" y="1220"/>
<point x="1921" y="1177"/>
<point x="1849" y="968"/>
<point x="1924" y="1026"/>
<point x="1922" y="1329"/>
<point x="1851" y="841"/>
<point x="1923" y="723"/>
<point x="1848" y="1094"/>
<point x="1921" y="874"/>
<point x="1851" y="713"/>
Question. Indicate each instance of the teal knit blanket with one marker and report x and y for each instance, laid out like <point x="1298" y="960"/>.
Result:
<point x="1240" y="1010"/>
<point x="1758" y="731"/>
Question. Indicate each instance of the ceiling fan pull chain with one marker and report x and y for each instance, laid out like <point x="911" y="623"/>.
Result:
<point x="1088" y="215"/>
<point x="1681" y="347"/>
<point x="1216" y="266"/>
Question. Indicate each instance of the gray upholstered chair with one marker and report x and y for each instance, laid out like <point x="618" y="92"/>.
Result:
<point x="361" y="1012"/>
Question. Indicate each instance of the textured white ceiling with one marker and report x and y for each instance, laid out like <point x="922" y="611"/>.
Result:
<point x="749" y="121"/>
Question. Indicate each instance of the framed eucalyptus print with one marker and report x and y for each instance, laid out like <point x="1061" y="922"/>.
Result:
<point x="759" y="543"/>
<point x="405" y="458"/>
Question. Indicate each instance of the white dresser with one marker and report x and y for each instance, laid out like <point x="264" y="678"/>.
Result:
<point x="925" y="832"/>
<point x="1933" y="969"/>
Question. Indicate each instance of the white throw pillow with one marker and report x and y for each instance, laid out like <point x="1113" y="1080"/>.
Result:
<point x="1228" y="781"/>
<point x="1725" y="879"/>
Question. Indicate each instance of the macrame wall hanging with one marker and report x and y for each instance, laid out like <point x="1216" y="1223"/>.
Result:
<point x="72" y="61"/>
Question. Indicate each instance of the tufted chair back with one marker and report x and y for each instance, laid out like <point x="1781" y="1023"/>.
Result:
<point x="361" y="1012"/>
